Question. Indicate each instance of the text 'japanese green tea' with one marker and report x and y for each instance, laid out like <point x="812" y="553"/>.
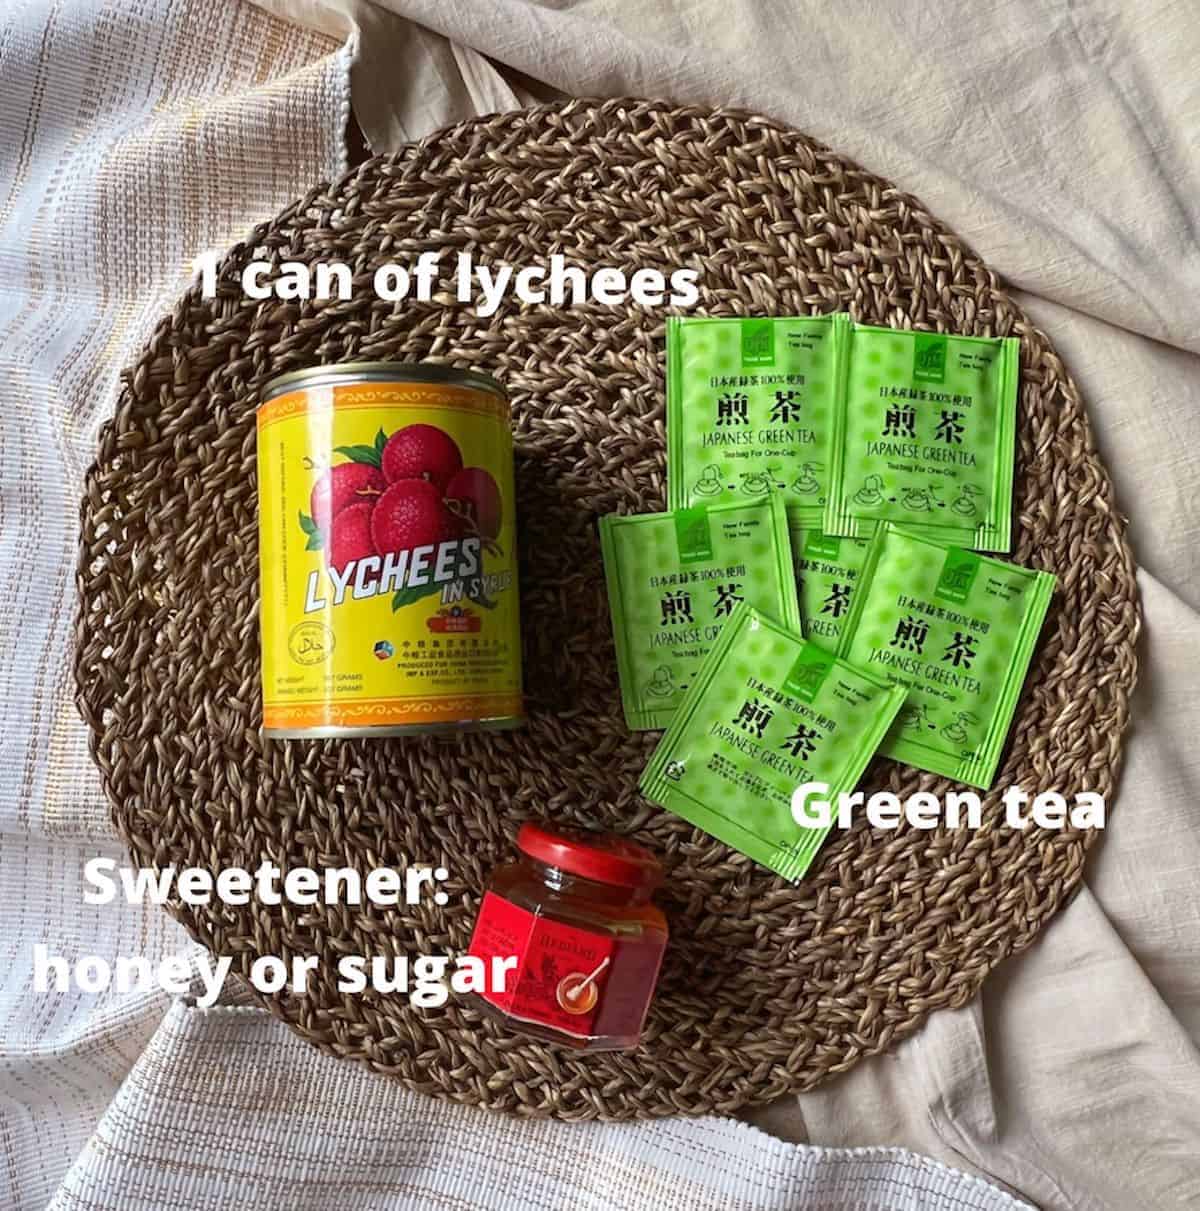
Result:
<point x="958" y="630"/>
<point x="923" y="434"/>
<point x="750" y="407"/>
<point x="674" y="578"/>
<point x="766" y="713"/>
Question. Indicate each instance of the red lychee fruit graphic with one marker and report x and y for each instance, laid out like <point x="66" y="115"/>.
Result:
<point x="342" y="486"/>
<point x="421" y="452"/>
<point x="411" y="513"/>
<point x="474" y="494"/>
<point x="350" y="535"/>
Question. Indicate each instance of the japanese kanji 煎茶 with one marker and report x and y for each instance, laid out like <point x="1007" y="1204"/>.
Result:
<point x="750" y="405"/>
<point x="674" y="578"/>
<point x="827" y="570"/>
<point x="958" y="630"/>
<point x="923" y="435"/>
<point x="766" y="713"/>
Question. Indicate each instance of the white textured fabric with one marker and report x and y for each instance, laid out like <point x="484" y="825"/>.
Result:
<point x="200" y="1123"/>
<point x="133" y="135"/>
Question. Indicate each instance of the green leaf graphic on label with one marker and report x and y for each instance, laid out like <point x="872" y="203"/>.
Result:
<point x="364" y="454"/>
<point x="693" y="534"/>
<point x="821" y="546"/>
<point x="929" y="358"/>
<point x="808" y="673"/>
<point x="758" y="342"/>
<point x="316" y="540"/>
<point x="958" y="575"/>
<point x="412" y="593"/>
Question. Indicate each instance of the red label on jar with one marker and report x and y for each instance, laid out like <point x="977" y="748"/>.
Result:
<point x="562" y="970"/>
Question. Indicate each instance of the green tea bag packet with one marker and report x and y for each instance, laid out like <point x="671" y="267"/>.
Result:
<point x="674" y="578"/>
<point x="956" y="628"/>
<point x="767" y="713"/>
<point x="827" y="570"/>
<point x="750" y="406"/>
<point x="924" y="436"/>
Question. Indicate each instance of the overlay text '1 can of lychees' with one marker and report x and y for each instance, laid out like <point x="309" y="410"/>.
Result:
<point x="387" y="560"/>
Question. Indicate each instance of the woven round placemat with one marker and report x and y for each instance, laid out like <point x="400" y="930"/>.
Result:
<point x="767" y="989"/>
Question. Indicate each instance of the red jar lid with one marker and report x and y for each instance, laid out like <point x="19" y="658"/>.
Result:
<point x="600" y="856"/>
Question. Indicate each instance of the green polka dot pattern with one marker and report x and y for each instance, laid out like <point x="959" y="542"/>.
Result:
<point x="750" y="406"/>
<point x="668" y="604"/>
<point x="925" y="437"/>
<point x="963" y="654"/>
<point x="752" y="728"/>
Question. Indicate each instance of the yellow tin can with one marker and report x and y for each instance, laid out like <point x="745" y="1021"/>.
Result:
<point x="387" y="552"/>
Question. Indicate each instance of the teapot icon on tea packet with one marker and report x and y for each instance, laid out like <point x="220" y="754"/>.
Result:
<point x="964" y="503"/>
<point x="806" y="483"/>
<point x="920" y="500"/>
<point x="709" y="483"/>
<point x="759" y="483"/>
<point x="871" y="493"/>
<point x="661" y="683"/>
<point x="956" y="732"/>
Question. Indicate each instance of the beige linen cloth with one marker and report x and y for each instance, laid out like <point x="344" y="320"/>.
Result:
<point x="1058" y="138"/>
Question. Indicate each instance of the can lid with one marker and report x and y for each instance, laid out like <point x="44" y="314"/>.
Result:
<point x="601" y="856"/>
<point x="334" y="373"/>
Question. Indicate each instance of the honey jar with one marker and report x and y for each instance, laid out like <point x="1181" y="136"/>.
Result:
<point x="575" y="912"/>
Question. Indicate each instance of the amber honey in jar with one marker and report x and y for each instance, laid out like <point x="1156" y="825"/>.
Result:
<point x="576" y="913"/>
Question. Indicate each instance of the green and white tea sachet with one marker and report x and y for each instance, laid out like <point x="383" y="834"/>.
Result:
<point x="924" y="436"/>
<point x="750" y="407"/>
<point x="674" y="578"/>
<point x="827" y="572"/>
<point x="958" y="630"/>
<point x="766" y="713"/>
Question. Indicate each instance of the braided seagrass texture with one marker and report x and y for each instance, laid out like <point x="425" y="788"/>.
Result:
<point x="767" y="989"/>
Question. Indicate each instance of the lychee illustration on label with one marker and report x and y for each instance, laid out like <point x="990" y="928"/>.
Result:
<point x="387" y="537"/>
<point x="403" y="516"/>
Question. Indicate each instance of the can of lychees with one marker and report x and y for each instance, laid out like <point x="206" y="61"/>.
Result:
<point x="387" y="562"/>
